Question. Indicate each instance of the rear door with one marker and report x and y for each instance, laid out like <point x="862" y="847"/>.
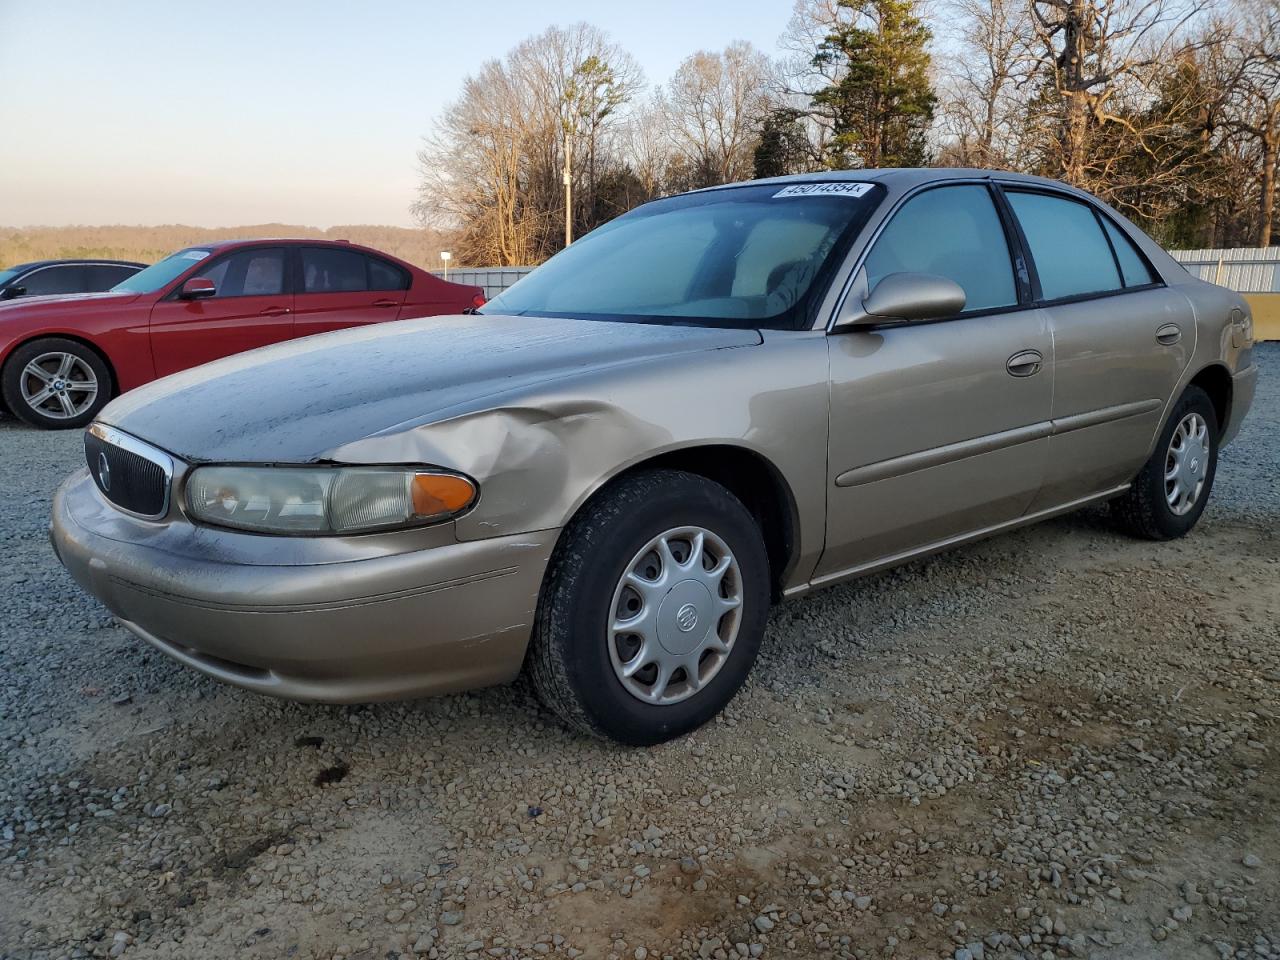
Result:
<point x="346" y="288"/>
<point x="252" y="307"/>
<point x="104" y="276"/>
<point x="938" y="429"/>
<point x="1121" y="342"/>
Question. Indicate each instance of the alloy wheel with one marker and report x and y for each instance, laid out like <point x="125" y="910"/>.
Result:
<point x="58" y="385"/>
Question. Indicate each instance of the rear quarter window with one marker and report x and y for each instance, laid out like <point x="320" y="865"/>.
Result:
<point x="1133" y="267"/>
<point x="386" y="276"/>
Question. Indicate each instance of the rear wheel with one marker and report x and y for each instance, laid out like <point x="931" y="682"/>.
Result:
<point x="1169" y="493"/>
<point x="653" y="609"/>
<point x="55" y="383"/>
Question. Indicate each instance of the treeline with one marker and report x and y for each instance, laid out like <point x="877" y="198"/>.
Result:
<point x="1168" y="109"/>
<point x="149" y="244"/>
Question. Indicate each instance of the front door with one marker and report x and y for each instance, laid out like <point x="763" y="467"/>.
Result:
<point x="938" y="429"/>
<point x="252" y="306"/>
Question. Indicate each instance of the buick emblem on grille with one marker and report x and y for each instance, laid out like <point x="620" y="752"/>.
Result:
<point x="104" y="471"/>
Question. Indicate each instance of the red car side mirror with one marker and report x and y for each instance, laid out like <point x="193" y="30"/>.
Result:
<point x="197" y="288"/>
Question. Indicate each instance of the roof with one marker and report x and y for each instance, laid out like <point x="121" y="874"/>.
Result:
<point x="309" y="241"/>
<point x="87" y="260"/>
<point x="903" y="177"/>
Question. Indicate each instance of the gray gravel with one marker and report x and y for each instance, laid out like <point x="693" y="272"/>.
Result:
<point x="1057" y="743"/>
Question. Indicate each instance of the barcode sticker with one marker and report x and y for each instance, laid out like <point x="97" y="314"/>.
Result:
<point x="843" y="188"/>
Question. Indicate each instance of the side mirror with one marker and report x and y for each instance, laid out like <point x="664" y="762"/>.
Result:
<point x="901" y="297"/>
<point x="197" y="288"/>
<point x="17" y="290"/>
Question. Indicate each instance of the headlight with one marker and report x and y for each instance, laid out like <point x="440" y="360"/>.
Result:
<point x="320" y="500"/>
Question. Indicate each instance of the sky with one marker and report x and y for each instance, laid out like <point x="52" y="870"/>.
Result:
<point x="255" y="111"/>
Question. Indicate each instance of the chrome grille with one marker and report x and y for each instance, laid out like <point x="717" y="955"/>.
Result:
<point x="133" y="475"/>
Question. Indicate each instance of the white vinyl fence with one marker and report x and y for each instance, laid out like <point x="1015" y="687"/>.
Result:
<point x="1244" y="270"/>
<point x="493" y="279"/>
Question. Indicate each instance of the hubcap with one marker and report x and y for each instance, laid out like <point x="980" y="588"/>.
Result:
<point x="59" y="385"/>
<point x="1186" y="464"/>
<point x="675" y="615"/>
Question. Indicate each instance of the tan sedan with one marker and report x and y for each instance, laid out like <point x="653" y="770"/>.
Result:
<point x="714" y="402"/>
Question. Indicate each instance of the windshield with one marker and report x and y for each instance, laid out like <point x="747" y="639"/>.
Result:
<point x="159" y="274"/>
<point x="6" y="276"/>
<point x="744" y="257"/>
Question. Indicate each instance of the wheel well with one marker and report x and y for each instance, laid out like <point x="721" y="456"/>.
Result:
<point x="753" y="480"/>
<point x="1216" y="382"/>
<point x="88" y="344"/>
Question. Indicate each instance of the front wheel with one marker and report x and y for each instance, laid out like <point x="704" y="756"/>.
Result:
<point x="1169" y="493"/>
<point x="652" y="610"/>
<point x="55" y="383"/>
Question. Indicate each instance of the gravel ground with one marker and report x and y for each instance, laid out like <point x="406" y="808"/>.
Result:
<point x="1056" y="743"/>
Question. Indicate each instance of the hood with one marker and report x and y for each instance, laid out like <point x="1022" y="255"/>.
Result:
<point x="295" y="401"/>
<point x="60" y="302"/>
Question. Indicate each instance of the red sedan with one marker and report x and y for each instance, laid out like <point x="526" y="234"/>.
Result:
<point x="63" y="358"/>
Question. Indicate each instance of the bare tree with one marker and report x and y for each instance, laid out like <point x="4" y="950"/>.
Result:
<point x="714" y="105"/>
<point x="985" y="81"/>
<point x="1093" y="59"/>
<point x="492" y="166"/>
<point x="1254" y="97"/>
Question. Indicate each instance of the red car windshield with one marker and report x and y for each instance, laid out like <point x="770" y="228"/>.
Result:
<point x="159" y="274"/>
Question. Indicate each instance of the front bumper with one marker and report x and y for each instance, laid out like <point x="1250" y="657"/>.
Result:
<point x="339" y="630"/>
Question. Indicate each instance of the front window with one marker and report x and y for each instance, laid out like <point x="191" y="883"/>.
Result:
<point x="160" y="274"/>
<point x="952" y="232"/>
<point x="743" y="257"/>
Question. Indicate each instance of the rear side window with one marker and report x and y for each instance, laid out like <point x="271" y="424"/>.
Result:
<point x="326" y="270"/>
<point x="53" y="280"/>
<point x="953" y="232"/>
<point x="386" y="276"/>
<point x="105" y="276"/>
<point x="256" y="272"/>
<point x="1133" y="268"/>
<point x="1071" y="253"/>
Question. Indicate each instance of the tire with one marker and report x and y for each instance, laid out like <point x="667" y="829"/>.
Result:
<point x="576" y="659"/>
<point x="1146" y="510"/>
<point x="65" y="362"/>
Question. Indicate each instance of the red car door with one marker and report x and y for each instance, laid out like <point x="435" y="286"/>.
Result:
<point x="252" y="306"/>
<point x="345" y="288"/>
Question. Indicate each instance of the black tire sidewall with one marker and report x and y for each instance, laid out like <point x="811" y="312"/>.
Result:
<point x="1169" y="524"/>
<point x="683" y="501"/>
<point x="9" y="382"/>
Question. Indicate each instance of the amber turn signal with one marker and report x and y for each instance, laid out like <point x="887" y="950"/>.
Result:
<point x="440" y="494"/>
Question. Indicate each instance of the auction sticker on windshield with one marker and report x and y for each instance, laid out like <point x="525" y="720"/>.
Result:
<point x="841" y="189"/>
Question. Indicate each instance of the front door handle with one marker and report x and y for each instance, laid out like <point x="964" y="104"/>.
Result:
<point x="1025" y="363"/>
<point x="1168" y="334"/>
<point x="385" y="302"/>
<point x="273" y="312"/>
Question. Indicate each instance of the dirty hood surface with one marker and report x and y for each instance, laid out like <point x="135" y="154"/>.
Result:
<point x="296" y="401"/>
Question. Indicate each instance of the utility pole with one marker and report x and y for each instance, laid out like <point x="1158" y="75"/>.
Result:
<point x="568" y="189"/>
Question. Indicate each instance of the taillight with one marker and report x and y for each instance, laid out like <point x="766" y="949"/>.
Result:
<point x="478" y="301"/>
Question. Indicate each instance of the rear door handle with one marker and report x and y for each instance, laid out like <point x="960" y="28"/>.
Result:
<point x="1168" y="334"/>
<point x="273" y="312"/>
<point x="384" y="302"/>
<point x="1025" y="363"/>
